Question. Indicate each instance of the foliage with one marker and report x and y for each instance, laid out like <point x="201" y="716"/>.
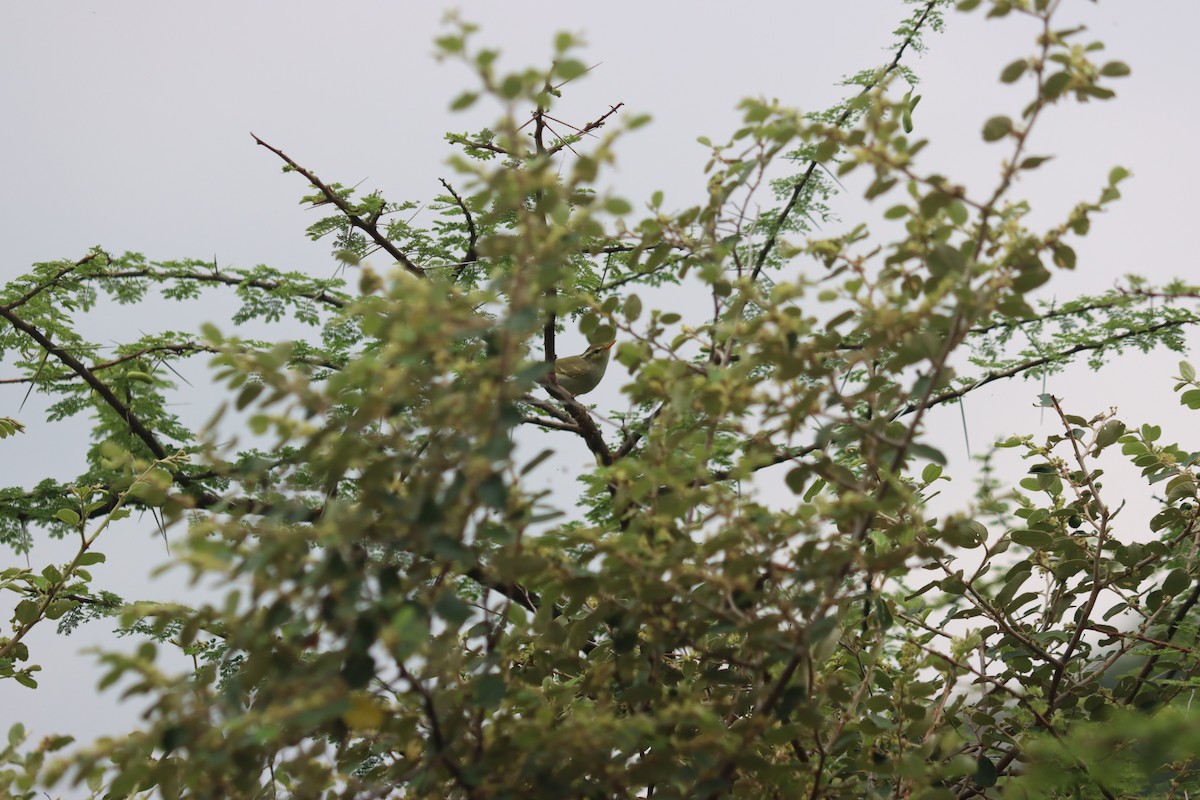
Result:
<point x="407" y="617"/>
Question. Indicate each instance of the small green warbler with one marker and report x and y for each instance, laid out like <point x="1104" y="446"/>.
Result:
<point x="582" y="373"/>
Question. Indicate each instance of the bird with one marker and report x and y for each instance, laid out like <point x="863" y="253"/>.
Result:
<point x="582" y="373"/>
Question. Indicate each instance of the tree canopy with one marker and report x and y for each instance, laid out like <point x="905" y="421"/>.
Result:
<point x="408" y="614"/>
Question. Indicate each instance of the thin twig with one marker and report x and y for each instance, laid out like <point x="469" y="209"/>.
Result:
<point x="471" y="255"/>
<point x="367" y="227"/>
<point x="101" y="388"/>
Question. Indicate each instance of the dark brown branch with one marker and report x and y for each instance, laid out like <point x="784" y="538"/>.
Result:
<point x="798" y="189"/>
<point x="1109" y="630"/>
<point x="548" y="339"/>
<point x="179" y="349"/>
<point x="435" y="728"/>
<point x="953" y="394"/>
<point x="586" y="129"/>
<point x="513" y="591"/>
<point x="1025" y="366"/>
<point x="1147" y="668"/>
<point x="1191" y="294"/>
<point x="548" y="408"/>
<point x="1062" y="312"/>
<point x="472" y="255"/>
<point x="41" y="287"/>
<point x="781" y="457"/>
<point x="761" y="711"/>
<point x="185" y="349"/>
<point x="228" y="280"/>
<point x="89" y="377"/>
<point x="1101" y="526"/>
<point x="635" y="436"/>
<point x="491" y="148"/>
<point x="550" y="424"/>
<point x="367" y="227"/>
<point x="587" y="426"/>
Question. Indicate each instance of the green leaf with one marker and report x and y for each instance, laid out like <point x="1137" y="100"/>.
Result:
<point x="931" y="473"/>
<point x="563" y="41"/>
<point x="985" y="772"/>
<point x="796" y="478"/>
<point x="1115" y="69"/>
<point x="1187" y="371"/>
<point x="879" y="186"/>
<point x="1064" y="255"/>
<point x="536" y="461"/>
<point x="569" y="69"/>
<point x="617" y="206"/>
<point x="1029" y="537"/>
<point x="957" y="211"/>
<point x="1109" y="433"/>
<point x="928" y="453"/>
<point x="825" y="151"/>
<point x="1176" y="582"/>
<point x="493" y="492"/>
<point x="1055" y="85"/>
<point x="449" y="44"/>
<point x="451" y="608"/>
<point x="1014" y="71"/>
<point x="945" y="260"/>
<point x="89" y="558"/>
<point x="489" y="691"/>
<point x="248" y="394"/>
<point x="464" y="100"/>
<point x="59" y="607"/>
<point x="26" y="612"/>
<point x="996" y="128"/>
<point x="67" y="515"/>
<point x="633" y="308"/>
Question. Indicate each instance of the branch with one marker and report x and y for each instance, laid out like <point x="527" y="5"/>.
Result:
<point x="587" y="426"/>
<point x="549" y="408"/>
<point x="798" y="189"/>
<point x="636" y="436"/>
<point x="229" y="280"/>
<point x="550" y="424"/>
<point x="1025" y="366"/>
<point x="586" y="129"/>
<point x="41" y="287"/>
<point x="792" y="454"/>
<point x="1062" y="312"/>
<point x="463" y="140"/>
<point x="1180" y="614"/>
<point x="440" y="745"/>
<point x="188" y="348"/>
<point x="472" y="255"/>
<point x="89" y="377"/>
<point x="1101" y="526"/>
<point x="724" y="775"/>
<point x="369" y="228"/>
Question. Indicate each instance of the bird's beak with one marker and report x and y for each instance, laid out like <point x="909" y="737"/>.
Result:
<point x="610" y="344"/>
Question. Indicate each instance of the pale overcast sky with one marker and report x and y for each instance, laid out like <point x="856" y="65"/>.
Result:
<point x="128" y="124"/>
